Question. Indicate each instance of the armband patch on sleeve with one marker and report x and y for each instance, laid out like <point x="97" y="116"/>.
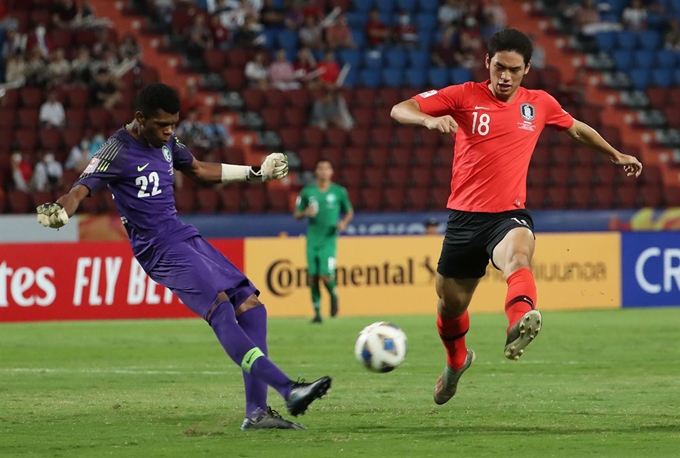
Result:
<point x="427" y="94"/>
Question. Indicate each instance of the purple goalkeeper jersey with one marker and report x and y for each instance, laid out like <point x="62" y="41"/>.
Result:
<point x="141" y="179"/>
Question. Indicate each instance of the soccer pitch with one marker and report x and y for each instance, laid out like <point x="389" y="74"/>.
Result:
<point x="599" y="383"/>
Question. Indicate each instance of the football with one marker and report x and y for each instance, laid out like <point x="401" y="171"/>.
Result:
<point x="381" y="346"/>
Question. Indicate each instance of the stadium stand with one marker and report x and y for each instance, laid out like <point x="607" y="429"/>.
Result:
<point x="623" y="82"/>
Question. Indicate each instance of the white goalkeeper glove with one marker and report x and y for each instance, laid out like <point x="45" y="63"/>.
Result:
<point x="52" y="215"/>
<point x="274" y="167"/>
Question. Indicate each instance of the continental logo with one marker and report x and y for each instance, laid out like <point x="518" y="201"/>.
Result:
<point x="284" y="277"/>
<point x="595" y="271"/>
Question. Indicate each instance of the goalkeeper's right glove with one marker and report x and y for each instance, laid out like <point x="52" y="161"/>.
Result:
<point x="52" y="215"/>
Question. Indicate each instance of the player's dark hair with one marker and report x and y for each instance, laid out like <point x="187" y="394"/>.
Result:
<point x="157" y="96"/>
<point x="511" y="40"/>
<point x="324" y="159"/>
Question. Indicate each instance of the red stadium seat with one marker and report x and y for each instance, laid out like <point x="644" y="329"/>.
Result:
<point x="29" y="118"/>
<point x="382" y="136"/>
<point x="405" y="135"/>
<point x="558" y="197"/>
<point x="559" y="176"/>
<point x="91" y="205"/>
<point x="31" y="97"/>
<point x="536" y="196"/>
<point x="76" y="117"/>
<point x="397" y="177"/>
<point x="69" y="177"/>
<point x="294" y="116"/>
<point x="26" y="140"/>
<point x="389" y="97"/>
<point x="233" y="155"/>
<point x="274" y="97"/>
<point x="238" y="58"/>
<point x="437" y="198"/>
<point x="442" y="176"/>
<point x="538" y="176"/>
<point x="6" y="139"/>
<point x="604" y="197"/>
<point x="361" y="136"/>
<point x="185" y="200"/>
<point x="72" y="137"/>
<point x="423" y="156"/>
<point x="215" y="59"/>
<point x="651" y="196"/>
<point x="278" y="201"/>
<point x="400" y="157"/>
<point x="607" y="175"/>
<point x="61" y="38"/>
<point x="336" y="137"/>
<point x="363" y="116"/>
<point x="49" y="138"/>
<point x="364" y="97"/>
<point x="299" y="98"/>
<point x="383" y="118"/>
<point x="429" y="138"/>
<point x="420" y="177"/>
<point x="378" y="157"/>
<point x="585" y="156"/>
<point x="253" y="98"/>
<point x="273" y="117"/>
<point x="19" y="202"/>
<point x="354" y="157"/>
<point x="370" y="199"/>
<point x="351" y="177"/>
<point x="231" y="199"/>
<point x="313" y="137"/>
<point x="374" y="177"/>
<point x="309" y="157"/>
<point x="560" y="155"/>
<point x="627" y="197"/>
<point x="443" y="157"/>
<point x="77" y="97"/>
<point x="581" y="176"/>
<point x="580" y="197"/>
<point x="207" y="200"/>
<point x="334" y="155"/>
<point x="10" y="100"/>
<point x="234" y="79"/>
<point x="291" y="138"/>
<point x="416" y="198"/>
<point x="255" y="198"/>
<point x="98" y="118"/>
<point x="394" y="199"/>
<point x="41" y="197"/>
<point x="148" y="75"/>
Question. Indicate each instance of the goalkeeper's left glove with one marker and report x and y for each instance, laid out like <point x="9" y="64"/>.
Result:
<point x="52" y="215"/>
<point x="274" y="167"/>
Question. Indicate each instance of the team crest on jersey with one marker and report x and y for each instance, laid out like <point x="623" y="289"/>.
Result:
<point x="527" y="111"/>
<point x="330" y="198"/>
<point x="166" y="153"/>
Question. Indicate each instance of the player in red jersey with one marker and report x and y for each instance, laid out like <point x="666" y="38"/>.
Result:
<point x="496" y="124"/>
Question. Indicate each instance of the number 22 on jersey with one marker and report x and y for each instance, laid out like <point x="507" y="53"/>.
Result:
<point x="480" y="123"/>
<point x="143" y="183"/>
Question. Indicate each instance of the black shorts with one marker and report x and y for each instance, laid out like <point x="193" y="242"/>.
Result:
<point x="471" y="238"/>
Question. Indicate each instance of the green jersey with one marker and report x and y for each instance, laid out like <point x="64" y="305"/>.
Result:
<point x="329" y="205"/>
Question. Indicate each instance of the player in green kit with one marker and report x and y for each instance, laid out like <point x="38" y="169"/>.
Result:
<point x="323" y="203"/>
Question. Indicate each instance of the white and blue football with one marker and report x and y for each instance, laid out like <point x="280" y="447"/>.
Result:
<point x="381" y="346"/>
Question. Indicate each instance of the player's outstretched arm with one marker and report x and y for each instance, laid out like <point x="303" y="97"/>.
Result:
<point x="585" y="135"/>
<point x="408" y="112"/>
<point x="56" y="214"/>
<point x="274" y="167"/>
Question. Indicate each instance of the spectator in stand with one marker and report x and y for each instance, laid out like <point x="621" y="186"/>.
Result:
<point x="48" y="173"/>
<point x="405" y="33"/>
<point x="192" y="132"/>
<point x="331" y="110"/>
<point x="282" y="73"/>
<point x="470" y="47"/>
<point x="97" y="141"/>
<point x="377" y="33"/>
<point x="64" y="13"/>
<point x="248" y="36"/>
<point x="104" y="90"/>
<point x="79" y="156"/>
<point x="14" y="43"/>
<point x="86" y="10"/>
<point x="59" y="69"/>
<point x="52" y="113"/>
<point x="22" y="171"/>
<point x="338" y="35"/>
<point x="431" y="226"/>
<point x="191" y="100"/>
<point x="7" y="22"/>
<point x="538" y="56"/>
<point x="219" y="34"/>
<point x="444" y="51"/>
<point x="451" y="13"/>
<point x="574" y="92"/>
<point x="634" y="16"/>
<point x="35" y="70"/>
<point x="495" y="18"/>
<point x="329" y="70"/>
<point x="198" y="36"/>
<point x="672" y="37"/>
<point x="15" y="70"/>
<point x="256" y="72"/>
<point x="37" y="39"/>
<point x="129" y="49"/>
<point x="305" y="68"/>
<point x="271" y="16"/>
<point x="294" y="19"/>
<point x="587" y="20"/>
<point x="310" y="34"/>
<point x="216" y="132"/>
<point x="81" y="66"/>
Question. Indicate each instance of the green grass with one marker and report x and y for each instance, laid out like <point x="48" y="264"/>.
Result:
<point x="601" y="383"/>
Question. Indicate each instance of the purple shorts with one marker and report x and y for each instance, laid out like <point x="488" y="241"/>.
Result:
<point x="196" y="272"/>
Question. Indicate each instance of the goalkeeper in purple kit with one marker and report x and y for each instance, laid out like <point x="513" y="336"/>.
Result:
<point x="137" y="163"/>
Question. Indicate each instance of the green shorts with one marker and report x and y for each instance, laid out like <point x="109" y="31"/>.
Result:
<point x="321" y="260"/>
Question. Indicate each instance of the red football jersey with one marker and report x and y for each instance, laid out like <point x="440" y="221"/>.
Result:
<point x="494" y="142"/>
